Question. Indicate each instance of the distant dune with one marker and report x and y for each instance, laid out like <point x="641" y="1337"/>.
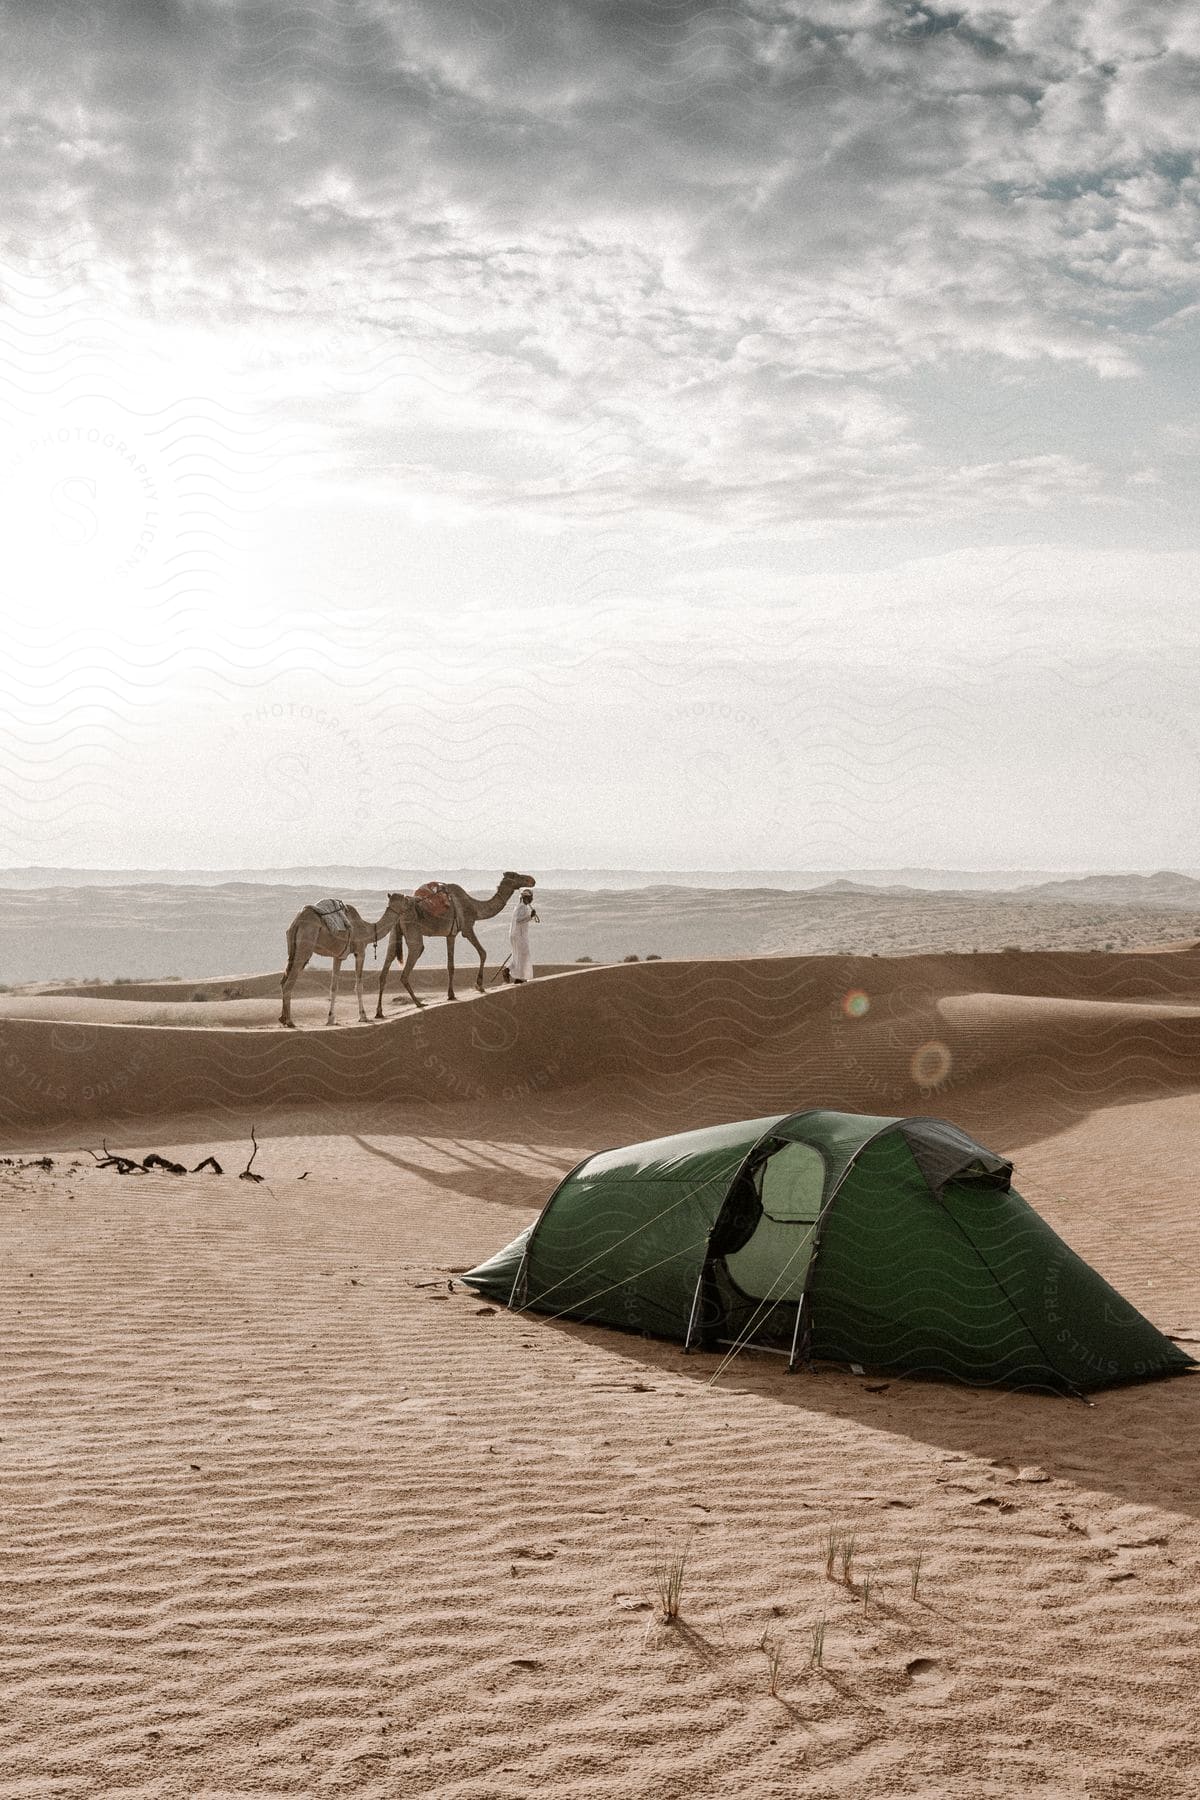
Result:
<point x="1167" y="888"/>
<point x="153" y="931"/>
<point x="381" y="876"/>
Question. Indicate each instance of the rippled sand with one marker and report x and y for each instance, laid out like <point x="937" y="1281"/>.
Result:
<point x="289" y="1511"/>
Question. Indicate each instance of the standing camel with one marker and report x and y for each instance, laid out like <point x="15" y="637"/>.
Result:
<point x="309" y="935"/>
<point x="414" y="925"/>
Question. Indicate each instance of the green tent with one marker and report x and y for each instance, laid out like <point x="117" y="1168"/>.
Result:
<point x="897" y="1244"/>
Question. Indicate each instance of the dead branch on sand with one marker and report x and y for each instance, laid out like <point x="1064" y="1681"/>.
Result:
<point x="129" y="1165"/>
<point x="124" y="1165"/>
<point x="246" y="1174"/>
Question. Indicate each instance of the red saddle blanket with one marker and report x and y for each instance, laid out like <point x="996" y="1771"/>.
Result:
<point x="433" y="899"/>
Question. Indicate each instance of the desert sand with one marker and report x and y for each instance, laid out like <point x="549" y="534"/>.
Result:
<point x="289" y="1511"/>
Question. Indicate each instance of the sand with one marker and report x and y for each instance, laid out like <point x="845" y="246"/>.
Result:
<point x="290" y="1511"/>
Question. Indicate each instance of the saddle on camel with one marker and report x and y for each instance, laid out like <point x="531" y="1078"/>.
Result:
<point x="433" y="900"/>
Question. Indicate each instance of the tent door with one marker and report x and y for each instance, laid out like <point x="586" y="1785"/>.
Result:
<point x="773" y="1265"/>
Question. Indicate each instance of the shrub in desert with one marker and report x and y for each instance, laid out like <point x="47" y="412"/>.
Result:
<point x="631" y="959"/>
<point x="580" y="959"/>
<point x="654" y="957"/>
<point x="199" y="994"/>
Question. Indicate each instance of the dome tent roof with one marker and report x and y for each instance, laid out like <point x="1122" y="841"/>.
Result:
<point x="897" y="1243"/>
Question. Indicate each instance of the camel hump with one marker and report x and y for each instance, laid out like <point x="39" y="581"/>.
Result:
<point x="433" y="899"/>
<point x="333" y="915"/>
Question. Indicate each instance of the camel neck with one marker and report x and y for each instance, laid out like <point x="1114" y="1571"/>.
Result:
<point x="499" y="900"/>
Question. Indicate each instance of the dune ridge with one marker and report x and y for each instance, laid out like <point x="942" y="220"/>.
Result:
<point x="763" y="1031"/>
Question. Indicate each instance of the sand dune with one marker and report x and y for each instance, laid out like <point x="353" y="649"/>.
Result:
<point x="247" y="1001"/>
<point x="728" y="1036"/>
<point x="291" y="1512"/>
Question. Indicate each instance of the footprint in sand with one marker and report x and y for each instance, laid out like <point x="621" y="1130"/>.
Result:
<point x="927" y="1677"/>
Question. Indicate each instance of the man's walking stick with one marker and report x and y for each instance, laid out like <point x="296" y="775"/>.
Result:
<point x="501" y="969"/>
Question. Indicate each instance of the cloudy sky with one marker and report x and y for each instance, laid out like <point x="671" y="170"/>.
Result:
<point x="636" y="435"/>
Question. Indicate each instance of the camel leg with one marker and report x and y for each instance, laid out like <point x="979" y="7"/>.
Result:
<point x="333" y="988"/>
<point x="358" y="981"/>
<point x="415" y="946"/>
<point x="389" y="957"/>
<point x="450" y="993"/>
<point x="469" y="934"/>
<point x="297" y="963"/>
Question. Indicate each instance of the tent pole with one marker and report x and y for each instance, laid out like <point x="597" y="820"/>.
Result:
<point x="518" y="1277"/>
<point x="687" y="1342"/>
<point x="796" y="1332"/>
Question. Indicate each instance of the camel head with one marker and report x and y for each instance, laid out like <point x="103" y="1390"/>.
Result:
<point x="396" y="904"/>
<point x="514" y="881"/>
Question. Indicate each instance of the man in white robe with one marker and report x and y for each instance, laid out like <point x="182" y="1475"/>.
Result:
<point x="518" y="937"/>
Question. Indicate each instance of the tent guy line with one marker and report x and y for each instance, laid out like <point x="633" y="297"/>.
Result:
<point x="742" y="1341"/>
<point x="691" y="1194"/>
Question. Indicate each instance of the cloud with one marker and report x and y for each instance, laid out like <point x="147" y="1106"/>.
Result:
<point x="654" y="254"/>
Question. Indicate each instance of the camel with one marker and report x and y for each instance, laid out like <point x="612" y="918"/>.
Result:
<point x="308" y="935"/>
<point x="414" y="926"/>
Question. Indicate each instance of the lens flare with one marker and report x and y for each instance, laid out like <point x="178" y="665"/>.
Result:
<point x="931" y="1064"/>
<point x="856" y="1004"/>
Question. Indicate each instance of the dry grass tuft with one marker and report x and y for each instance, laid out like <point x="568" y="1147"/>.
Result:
<point x="668" y="1583"/>
<point x="816" y="1655"/>
<point x="772" y="1649"/>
